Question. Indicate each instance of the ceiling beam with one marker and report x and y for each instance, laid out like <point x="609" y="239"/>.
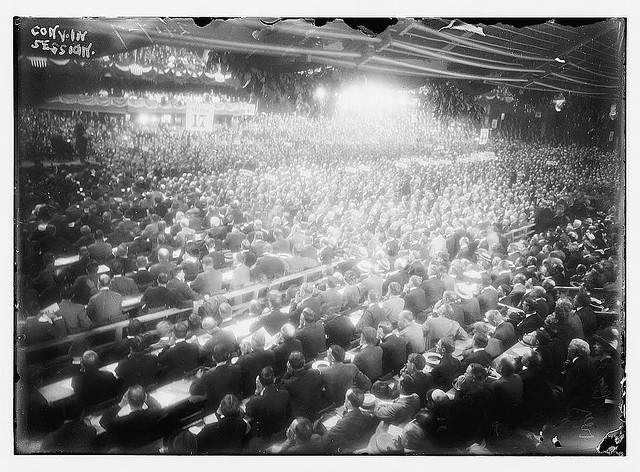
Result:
<point x="574" y="47"/>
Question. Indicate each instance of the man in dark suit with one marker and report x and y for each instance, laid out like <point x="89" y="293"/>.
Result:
<point x="423" y="381"/>
<point x="208" y="282"/>
<point x="477" y="354"/>
<point x="253" y="362"/>
<point x="338" y="377"/>
<point x="311" y="335"/>
<point x="230" y="434"/>
<point x="532" y="320"/>
<point x="305" y="299"/>
<point x="214" y="336"/>
<point x="74" y="314"/>
<point x="339" y="330"/>
<point x="119" y="235"/>
<point x="100" y="251"/>
<point x="79" y="267"/>
<point x="394" y="349"/>
<point x="269" y="266"/>
<point x="120" y="283"/>
<point x="85" y="286"/>
<point x="401" y="275"/>
<point x="85" y="239"/>
<point x="269" y="409"/>
<point x="142" y="277"/>
<point x="369" y="358"/>
<point x="433" y="287"/>
<point x="233" y="240"/>
<point x="582" y="304"/>
<point x="94" y="386"/>
<point x="374" y="314"/>
<point x="536" y="391"/>
<point x="330" y="299"/>
<point x="218" y="381"/>
<point x="504" y="332"/>
<point x="354" y="428"/>
<point x="45" y="326"/>
<point x="448" y="368"/>
<point x="164" y="265"/>
<point x="138" y="368"/>
<point x="181" y="357"/>
<point x="159" y="297"/>
<point x="581" y="377"/>
<point x="181" y="289"/>
<point x="106" y="305"/>
<point x="289" y="344"/>
<point x="488" y="299"/>
<point x="415" y="299"/>
<point x="274" y="319"/>
<point x="507" y="389"/>
<point x="403" y="408"/>
<point x="304" y="387"/>
<point x="128" y="265"/>
<point x="134" y="421"/>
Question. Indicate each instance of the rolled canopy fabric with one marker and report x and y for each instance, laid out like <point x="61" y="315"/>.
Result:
<point x="135" y="104"/>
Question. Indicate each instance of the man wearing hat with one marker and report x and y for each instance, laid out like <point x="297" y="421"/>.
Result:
<point x="582" y="304"/>
<point x="355" y="427"/>
<point x="470" y="305"/>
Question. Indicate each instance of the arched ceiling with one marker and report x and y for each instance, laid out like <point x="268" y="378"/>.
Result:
<point x="547" y="57"/>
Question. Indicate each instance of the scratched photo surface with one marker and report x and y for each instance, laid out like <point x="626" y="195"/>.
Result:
<point x="314" y="237"/>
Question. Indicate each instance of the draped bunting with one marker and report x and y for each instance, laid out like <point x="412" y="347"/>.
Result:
<point x="118" y="104"/>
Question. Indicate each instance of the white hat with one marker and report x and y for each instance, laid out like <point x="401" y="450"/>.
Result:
<point x="463" y="291"/>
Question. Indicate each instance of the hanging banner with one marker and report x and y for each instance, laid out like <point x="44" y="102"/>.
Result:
<point x="200" y="116"/>
<point x="484" y="135"/>
<point x="494" y="123"/>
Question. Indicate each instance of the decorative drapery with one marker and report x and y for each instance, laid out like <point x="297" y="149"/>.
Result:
<point x="135" y="104"/>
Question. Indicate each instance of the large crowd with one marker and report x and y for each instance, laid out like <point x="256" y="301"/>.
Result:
<point x="414" y="216"/>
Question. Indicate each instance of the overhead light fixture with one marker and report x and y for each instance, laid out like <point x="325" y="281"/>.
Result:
<point x="559" y="102"/>
<point x="320" y="93"/>
<point x="218" y="76"/>
<point x="561" y="61"/>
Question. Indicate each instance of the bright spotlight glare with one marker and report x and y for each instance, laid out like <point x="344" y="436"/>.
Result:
<point x="372" y="98"/>
<point x="320" y="93"/>
<point x="143" y="118"/>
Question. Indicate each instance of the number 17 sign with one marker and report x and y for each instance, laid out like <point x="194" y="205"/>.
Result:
<point x="200" y="116"/>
